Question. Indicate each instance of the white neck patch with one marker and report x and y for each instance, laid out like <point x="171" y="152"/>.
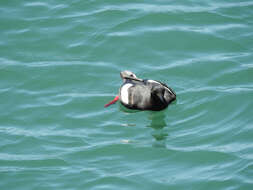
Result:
<point x="124" y="93"/>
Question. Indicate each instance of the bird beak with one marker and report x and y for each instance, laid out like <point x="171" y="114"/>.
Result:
<point x="112" y="102"/>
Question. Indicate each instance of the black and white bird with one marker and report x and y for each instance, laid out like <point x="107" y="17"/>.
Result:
<point x="139" y="94"/>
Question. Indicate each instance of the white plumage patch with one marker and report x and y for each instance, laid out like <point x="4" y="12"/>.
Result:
<point x="169" y="90"/>
<point x="124" y="93"/>
<point x="153" y="81"/>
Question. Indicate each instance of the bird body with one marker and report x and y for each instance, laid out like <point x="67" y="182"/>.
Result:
<point x="141" y="94"/>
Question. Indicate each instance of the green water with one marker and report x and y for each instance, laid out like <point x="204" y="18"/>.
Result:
<point x="60" y="63"/>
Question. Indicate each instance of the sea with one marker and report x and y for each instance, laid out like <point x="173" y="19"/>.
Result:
<point x="60" y="63"/>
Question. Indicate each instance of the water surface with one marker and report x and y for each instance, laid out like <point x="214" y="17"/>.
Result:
<point x="60" y="63"/>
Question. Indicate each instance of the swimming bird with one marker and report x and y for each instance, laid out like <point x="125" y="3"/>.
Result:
<point x="139" y="94"/>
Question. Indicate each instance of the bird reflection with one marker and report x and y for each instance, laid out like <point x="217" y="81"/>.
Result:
<point x="158" y="123"/>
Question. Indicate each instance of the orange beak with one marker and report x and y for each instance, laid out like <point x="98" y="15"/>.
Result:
<point x="112" y="102"/>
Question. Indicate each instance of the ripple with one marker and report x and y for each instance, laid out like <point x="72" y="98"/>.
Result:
<point x="15" y="157"/>
<point x="208" y="29"/>
<point x="60" y="64"/>
<point x="192" y="117"/>
<point x="150" y="8"/>
<point x="15" y="131"/>
<point x="37" y="4"/>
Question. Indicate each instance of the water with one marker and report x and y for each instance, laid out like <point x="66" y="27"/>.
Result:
<point x="60" y="63"/>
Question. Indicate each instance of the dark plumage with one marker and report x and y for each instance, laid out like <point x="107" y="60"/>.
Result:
<point x="142" y="94"/>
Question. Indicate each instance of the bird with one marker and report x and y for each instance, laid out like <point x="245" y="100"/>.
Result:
<point x="143" y="94"/>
